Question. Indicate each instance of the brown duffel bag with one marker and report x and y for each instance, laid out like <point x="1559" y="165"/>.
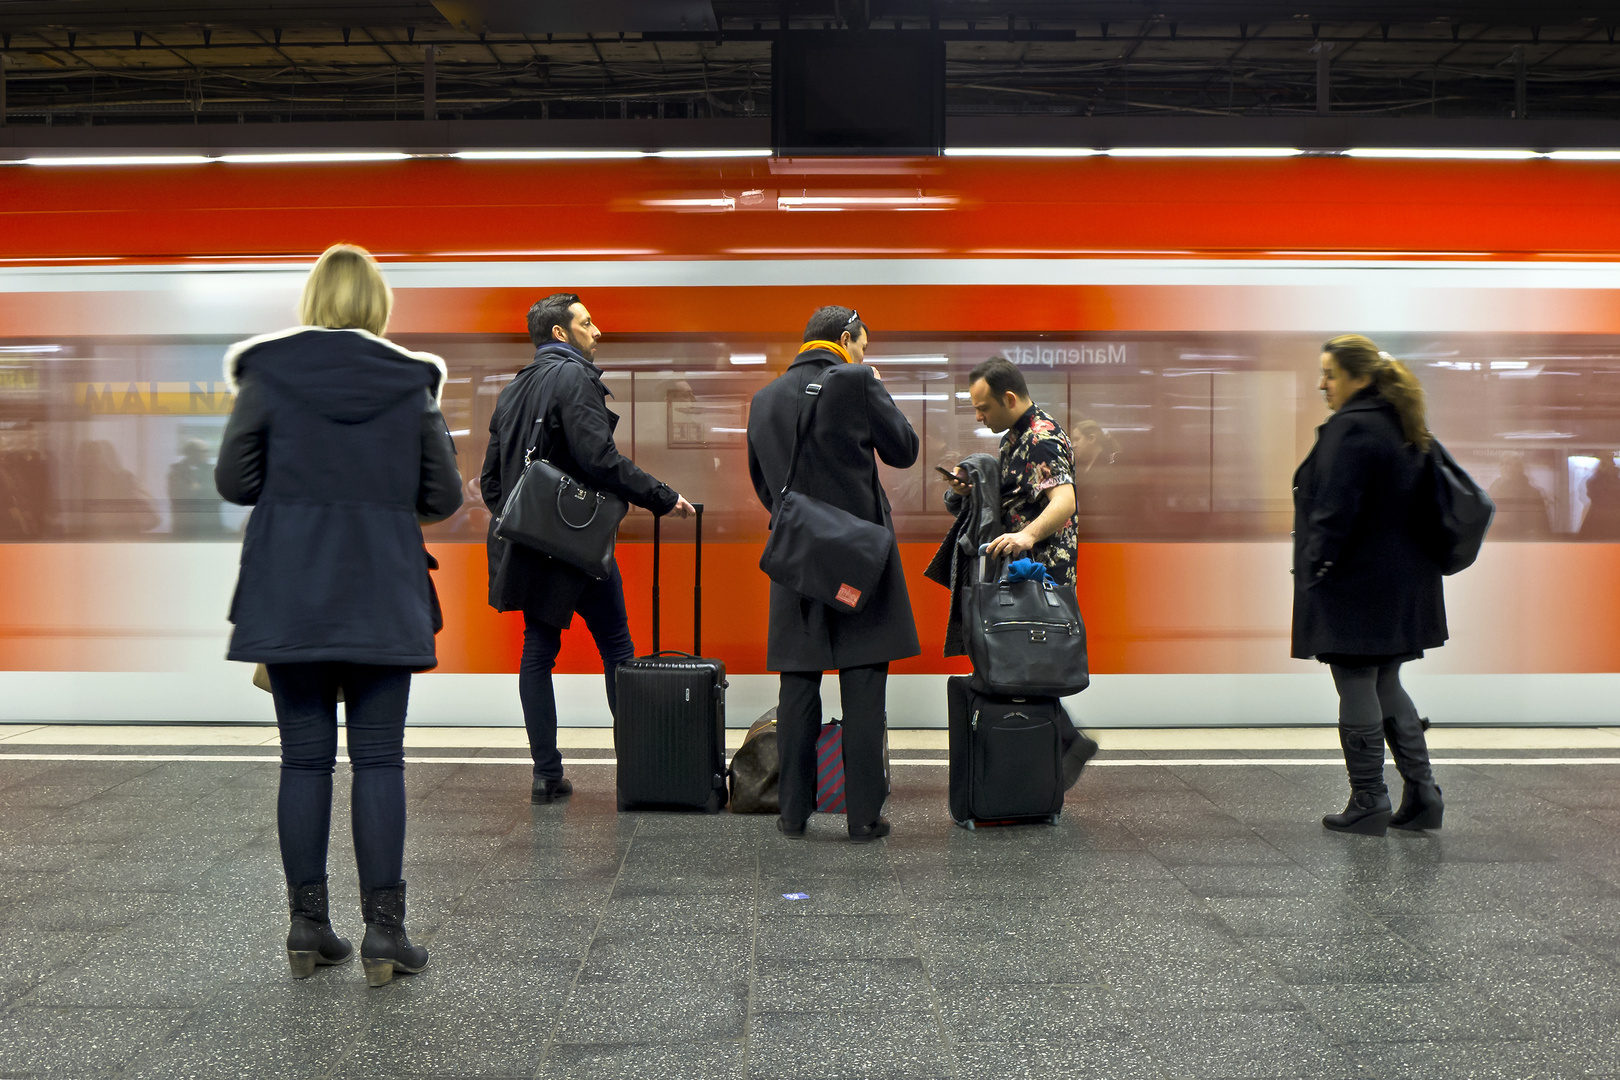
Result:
<point x="756" y="769"/>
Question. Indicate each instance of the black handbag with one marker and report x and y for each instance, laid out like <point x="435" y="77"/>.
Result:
<point x="819" y="551"/>
<point x="1025" y="638"/>
<point x="552" y="513"/>
<point x="1462" y="511"/>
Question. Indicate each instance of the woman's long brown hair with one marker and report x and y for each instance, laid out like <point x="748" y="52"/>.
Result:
<point x="1393" y="380"/>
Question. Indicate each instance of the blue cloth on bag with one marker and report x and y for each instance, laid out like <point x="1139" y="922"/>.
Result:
<point x="1025" y="570"/>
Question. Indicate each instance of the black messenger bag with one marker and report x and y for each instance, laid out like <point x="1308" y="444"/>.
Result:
<point x="819" y="551"/>
<point x="1025" y="638"/>
<point x="553" y="513"/>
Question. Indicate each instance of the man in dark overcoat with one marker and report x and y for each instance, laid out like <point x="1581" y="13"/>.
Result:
<point x="558" y="406"/>
<point x="854" y="418"/>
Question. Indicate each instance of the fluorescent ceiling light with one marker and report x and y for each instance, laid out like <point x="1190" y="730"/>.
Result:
<point x="1441" y="154"/>
<point x="742" y="359"/>
<point x="1021" y="151"/>
<point x="143" y="159"/>
<point x="709" y="153"/>
<point x="722" y="203"/>
<point x="1585" y="155"/>
<point x="1204" y="151"/>
<point x="284" y="159"/>
<point x="934" y="360"/>
<point x="842" y="202"/>
<point x="547" y="155"/>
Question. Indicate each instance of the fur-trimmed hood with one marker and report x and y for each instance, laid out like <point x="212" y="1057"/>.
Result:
<point x="348" y="375"/>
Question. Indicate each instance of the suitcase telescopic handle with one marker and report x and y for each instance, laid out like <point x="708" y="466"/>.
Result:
<point x="697" y="583"/>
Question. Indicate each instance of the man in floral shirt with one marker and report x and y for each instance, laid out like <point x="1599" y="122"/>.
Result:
<point x="1037" y="471"/>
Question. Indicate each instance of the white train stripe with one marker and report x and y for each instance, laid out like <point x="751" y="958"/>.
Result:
<point x="238" y="278"/>
<point x="1139" y="762"/>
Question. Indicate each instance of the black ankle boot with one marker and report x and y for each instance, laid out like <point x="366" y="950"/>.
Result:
<point x="1367" y="813"/>
<point x="385" y="948"/>
<point x="1421" y="805"/>
<point x="311" y="939"/>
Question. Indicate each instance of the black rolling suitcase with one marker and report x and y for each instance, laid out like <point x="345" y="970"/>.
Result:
<point x="670" y="733"/>
<point x="1006" y="757"/>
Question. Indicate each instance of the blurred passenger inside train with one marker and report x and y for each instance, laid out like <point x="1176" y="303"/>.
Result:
<point x="337" y="441"/>
<point x="111" y="501"/>
<point x="1094" y="453"/>
<point x="24" y="493"/>
<point x="556" y="409"/>
<point x="1035" y="476"/>
<point x="194" y="503"/>
<point x="1602" y="520"/>
<point x="849" y="425"/>
<point x="1521" y="508"/>
<point x="1367" y="591"/>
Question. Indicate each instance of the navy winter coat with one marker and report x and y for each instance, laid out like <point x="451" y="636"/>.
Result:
<point x="1363" y="584"/>
<point x="337" y="442"/>
<point x="855" y="417"/>
<point x="559" y="395"/>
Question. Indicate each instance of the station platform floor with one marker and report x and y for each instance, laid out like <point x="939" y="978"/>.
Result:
<point x="1187" y="917"/>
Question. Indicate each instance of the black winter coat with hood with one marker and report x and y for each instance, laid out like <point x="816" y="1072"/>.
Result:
<point x="1364" y="584"/>
<point x="559" y="403"/>
<point x="855" y="418"/>
<point x="337" y="442"/>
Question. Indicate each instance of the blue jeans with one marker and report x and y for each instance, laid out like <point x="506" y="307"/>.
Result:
<point x="374" y="712"/>
<point x="601" y="605"/>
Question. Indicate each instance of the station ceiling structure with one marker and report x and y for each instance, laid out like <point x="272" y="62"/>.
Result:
<point x="100" y="63"/>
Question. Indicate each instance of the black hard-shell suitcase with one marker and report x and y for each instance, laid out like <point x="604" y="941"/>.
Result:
<point x="670" y="733"/>
<point x="1006" y="757"/>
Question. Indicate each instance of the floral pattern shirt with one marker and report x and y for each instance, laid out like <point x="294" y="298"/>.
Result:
<point x="1036" y="456"/>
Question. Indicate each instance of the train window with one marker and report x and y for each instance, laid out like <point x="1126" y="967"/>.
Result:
<point x="1193" y="436"/>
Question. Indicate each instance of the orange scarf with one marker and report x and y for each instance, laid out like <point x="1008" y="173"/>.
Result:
<point x="833" y="345"/>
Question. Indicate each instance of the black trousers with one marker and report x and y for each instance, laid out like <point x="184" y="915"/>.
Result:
<point x="375" y="699"/>
<point x="601" y="605"/>
<point x="863" y="693"/>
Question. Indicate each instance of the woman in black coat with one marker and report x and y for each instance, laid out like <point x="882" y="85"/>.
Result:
<point x="337" y="441"/>
<point x="1367" y="593"/>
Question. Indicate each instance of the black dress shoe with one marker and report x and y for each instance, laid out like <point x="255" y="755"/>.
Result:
<point x="549" y="791"/>
<point x="865" y="834"/>
<point x="792" y="832"/>
<point x="1082" y="751"/>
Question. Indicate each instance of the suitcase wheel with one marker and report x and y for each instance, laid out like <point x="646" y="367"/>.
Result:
<point x="1053" y="820"/>
<point x="968" y="825"/>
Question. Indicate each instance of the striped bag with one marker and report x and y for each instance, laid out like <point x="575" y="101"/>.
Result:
<point x="830" y="768"/>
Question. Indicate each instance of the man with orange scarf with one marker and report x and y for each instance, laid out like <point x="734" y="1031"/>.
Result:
<point x="854" y="419"/>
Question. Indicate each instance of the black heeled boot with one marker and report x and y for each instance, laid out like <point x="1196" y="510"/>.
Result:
<point x="385" y="948"/>
<point x="1368" y="811"/>
<point x="311" y="941"/>
<point x="1421" y="805"/>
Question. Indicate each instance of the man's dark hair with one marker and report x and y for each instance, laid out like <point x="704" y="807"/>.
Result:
<point x="1001" y="375"/>
<point x="830" y="322"/>
<point x="552" y="311"/>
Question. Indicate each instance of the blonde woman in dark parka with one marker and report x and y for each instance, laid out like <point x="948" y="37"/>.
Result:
<point x="1367" y="594"/>
<point x="337" y="441"/>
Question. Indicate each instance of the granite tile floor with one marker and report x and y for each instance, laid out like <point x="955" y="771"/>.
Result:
<point x="1187" y="917"/>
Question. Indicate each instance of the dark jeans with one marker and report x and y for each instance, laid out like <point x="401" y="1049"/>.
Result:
<point x="863" y="692"/>
<point x="601" y="605"/>
<point x="374" y="712"/>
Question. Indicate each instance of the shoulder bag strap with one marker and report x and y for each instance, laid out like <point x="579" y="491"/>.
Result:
<point x="801" y="427"/>
<point x="806" y="417"/>
<point x="540" y="416"/>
